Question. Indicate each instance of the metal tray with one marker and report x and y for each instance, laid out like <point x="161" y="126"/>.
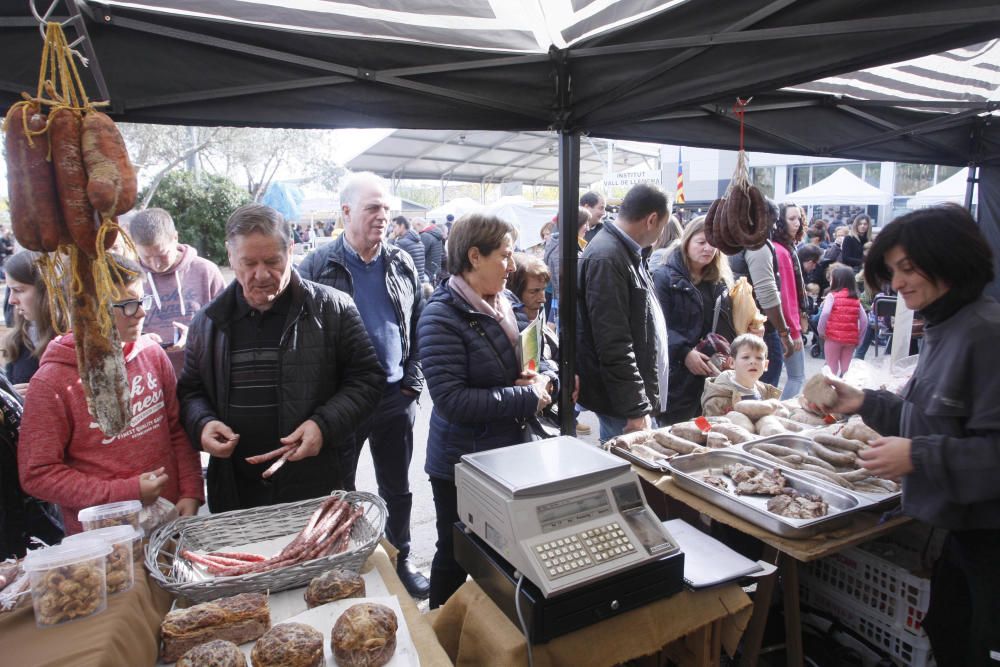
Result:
<point x="639" y="461"/>
<point x="803" y="443"/>
<point x="689" y="469"/>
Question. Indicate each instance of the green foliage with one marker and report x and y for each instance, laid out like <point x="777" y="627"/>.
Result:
<point x="200" y="207"/>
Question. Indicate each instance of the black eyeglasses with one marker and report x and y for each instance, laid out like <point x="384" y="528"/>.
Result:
<point x="131" y="307"/>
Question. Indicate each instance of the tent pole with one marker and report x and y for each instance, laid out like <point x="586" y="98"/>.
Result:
<point x="970" y="185"/>
<point x="569" y="203"/>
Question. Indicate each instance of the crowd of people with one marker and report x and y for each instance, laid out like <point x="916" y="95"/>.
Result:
<point x="308" y="364"/>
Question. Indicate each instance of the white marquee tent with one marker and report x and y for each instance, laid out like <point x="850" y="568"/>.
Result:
<point x="840" y="188"/>
<point x="951" y="189"/>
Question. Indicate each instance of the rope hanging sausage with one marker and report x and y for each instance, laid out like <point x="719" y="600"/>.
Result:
<point x="70" y="177"/>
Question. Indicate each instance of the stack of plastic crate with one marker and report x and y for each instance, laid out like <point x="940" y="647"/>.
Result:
<point x="872" y="590"/>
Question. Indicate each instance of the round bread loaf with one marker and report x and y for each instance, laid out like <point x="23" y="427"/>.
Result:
<point x="216" y="653"/>
<point x="364" y="636"/>
<point x="334" y="585"/>
<point x="289" y="645"/>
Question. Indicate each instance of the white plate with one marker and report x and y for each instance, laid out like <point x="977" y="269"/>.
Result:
<point x="323" y="617"/>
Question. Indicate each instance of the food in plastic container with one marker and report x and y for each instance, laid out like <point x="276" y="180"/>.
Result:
<point x="119" y="563"/>
<point x="121" y="513"/>
<point x="68" y="581"/>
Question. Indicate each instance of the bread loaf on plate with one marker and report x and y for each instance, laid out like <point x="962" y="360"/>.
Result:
<point x="289" y="645"/>
<point x="239" y="619"/>
<point x="364" y="636"/>
<point x="216" y="653"/>
<point x="334" y="585"/>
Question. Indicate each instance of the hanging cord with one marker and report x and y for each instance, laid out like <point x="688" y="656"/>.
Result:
<point x="741" y="177"/>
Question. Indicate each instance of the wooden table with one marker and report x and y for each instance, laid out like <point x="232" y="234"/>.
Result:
<point x="783" y="552"/>
<point x="128" y="632"/>
<point x="690" y="628"/>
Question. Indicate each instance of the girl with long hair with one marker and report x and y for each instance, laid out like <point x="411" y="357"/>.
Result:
<point x="787" y="233"/>
<point x="34" y="323"/>
<point x="852" y="253"/>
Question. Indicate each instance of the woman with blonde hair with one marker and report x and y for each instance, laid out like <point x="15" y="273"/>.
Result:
<point x="852" y="252"/>
<point x="34" y="325"/>
<point x="691" y="286"/>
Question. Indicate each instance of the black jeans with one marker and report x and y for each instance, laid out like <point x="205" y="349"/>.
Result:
<point x="775" y="358"/>
<point x="389" y="432"/>
<point x="446" y="574"/>
<point x="963" y="621"/>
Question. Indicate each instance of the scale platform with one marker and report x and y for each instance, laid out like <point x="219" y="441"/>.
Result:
<point x="550" y="617"/>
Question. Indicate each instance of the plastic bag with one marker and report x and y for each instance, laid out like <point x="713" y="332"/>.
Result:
<point x="745" y="313"/>
<point x="153" y="516"/>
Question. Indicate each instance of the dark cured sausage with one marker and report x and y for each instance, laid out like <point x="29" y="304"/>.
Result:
<point x="71" y="180"/>
<point x="34" y="213"/>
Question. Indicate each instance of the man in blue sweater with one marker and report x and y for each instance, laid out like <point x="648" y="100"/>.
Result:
<point x="385" y="285"/>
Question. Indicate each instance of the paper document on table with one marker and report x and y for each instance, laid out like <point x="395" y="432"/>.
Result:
<point x="707" y="562"/>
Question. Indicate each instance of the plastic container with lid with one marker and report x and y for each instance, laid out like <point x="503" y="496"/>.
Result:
<point x="119" y="563"/>
<point x="124" y="513"/>
<point x="68" y="581"/>
<point x="111" y="514"/>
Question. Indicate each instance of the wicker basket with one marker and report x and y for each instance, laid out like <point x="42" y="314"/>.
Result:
<point x="218" y="531"/>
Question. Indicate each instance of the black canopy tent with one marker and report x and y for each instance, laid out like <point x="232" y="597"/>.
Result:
<point x="639" y="69"/>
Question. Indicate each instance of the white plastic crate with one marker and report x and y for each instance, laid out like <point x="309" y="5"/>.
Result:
<point x="884" y="588"/>
<point x="906" y="648"/>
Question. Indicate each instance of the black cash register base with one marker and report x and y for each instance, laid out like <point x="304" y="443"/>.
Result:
<point x="548" y="618"/>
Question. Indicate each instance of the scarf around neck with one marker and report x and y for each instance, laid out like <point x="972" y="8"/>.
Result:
<point x="499" y="310"/>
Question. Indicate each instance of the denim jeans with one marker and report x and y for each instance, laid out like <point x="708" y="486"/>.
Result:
<point x="389" y="432"/>
<point x="610" y="426"/>
<point x="795" y="368"/>
<point x="775" y="356"/>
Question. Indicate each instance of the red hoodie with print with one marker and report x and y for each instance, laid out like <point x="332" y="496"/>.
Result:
<point x="64" y="458"/>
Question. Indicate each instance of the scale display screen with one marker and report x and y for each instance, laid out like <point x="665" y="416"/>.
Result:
<point x="573" y="510"/>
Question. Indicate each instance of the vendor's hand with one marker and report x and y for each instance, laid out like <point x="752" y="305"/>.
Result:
<point x="796" y="345"/>
<point x="218" y="439"/>
<point x="849" y="399"/>
<point x="643" y="423"/>
<point x="188" y="506"/>
<point x="888" y="457"/>
<point x="151" y="485"/>
<point x="697" y="363"/>
<point x="309" y="439"/>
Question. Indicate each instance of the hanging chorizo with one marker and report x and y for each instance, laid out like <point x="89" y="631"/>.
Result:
<point x="34" y="213"/>
<point x="71" y="179"/>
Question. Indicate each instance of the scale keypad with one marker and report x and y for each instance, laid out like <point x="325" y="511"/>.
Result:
<point x="585" y="549"/>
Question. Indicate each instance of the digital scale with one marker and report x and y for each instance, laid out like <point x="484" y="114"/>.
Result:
<point x="573" y="521"/>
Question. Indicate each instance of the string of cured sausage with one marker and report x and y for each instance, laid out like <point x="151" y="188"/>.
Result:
<point x="741" y="218"/>
<point x="69" y="177"/>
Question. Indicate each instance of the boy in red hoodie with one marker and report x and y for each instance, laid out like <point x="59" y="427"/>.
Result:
<point x="63" y="456"/>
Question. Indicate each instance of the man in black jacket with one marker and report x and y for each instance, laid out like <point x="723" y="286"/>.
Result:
<point x="386" y="287"/>
<point x="621" y="332"/>
<point x="275" y="367"/>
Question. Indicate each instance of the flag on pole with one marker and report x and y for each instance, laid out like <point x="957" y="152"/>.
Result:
<point x="679" y="197"/>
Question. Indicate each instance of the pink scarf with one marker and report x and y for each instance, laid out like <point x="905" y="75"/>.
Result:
<point x="500" y="310"/>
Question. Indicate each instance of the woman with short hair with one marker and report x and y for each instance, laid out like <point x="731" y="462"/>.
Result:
<point x="942" y="435"/>
<point x="483" y="399"/>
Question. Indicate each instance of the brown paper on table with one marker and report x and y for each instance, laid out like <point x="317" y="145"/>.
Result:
<point x="126" y="633"/>
<point x="473" y="630"/>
